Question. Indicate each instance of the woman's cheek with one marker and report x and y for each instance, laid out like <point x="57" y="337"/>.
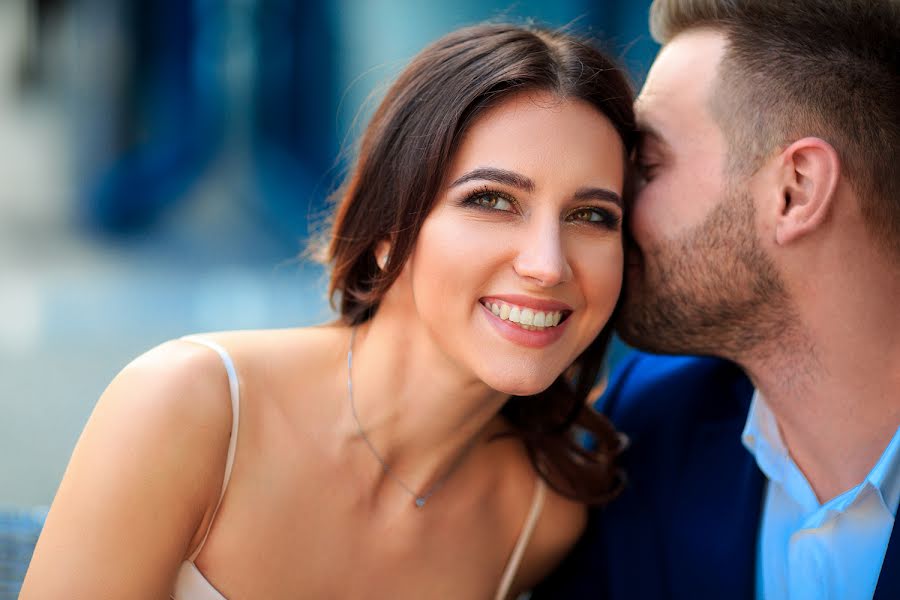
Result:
<point x="602" y="276"/>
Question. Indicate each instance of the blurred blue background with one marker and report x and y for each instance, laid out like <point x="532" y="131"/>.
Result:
<point x="164" y="161"/>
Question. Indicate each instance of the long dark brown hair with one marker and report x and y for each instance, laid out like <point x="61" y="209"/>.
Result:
<point x="403" y="156"/>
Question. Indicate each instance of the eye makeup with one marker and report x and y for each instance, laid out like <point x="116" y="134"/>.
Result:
<point x="492" y="200"/>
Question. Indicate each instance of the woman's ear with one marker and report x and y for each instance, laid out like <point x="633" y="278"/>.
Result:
<point x="382" y="253"/>
<point x="809" y="178"/>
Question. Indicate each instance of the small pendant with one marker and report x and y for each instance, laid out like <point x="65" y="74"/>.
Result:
<point x="420" y="502"/>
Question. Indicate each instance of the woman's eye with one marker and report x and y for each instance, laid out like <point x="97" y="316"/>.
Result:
<point x="493" y="201"/>
<point x="589" y="215"/>
<point x="596" y="217"/>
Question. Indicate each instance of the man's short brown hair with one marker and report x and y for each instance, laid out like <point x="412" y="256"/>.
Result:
<point x="824" y="68"/>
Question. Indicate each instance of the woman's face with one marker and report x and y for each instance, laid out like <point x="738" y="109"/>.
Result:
<point x="519" y="265"/>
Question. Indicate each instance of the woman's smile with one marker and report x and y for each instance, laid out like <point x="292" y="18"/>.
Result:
<point x="523" y="325"/>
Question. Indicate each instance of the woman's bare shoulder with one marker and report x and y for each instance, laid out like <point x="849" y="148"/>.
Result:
<point x="559" y="524"/>
<point x="265" y="349"/>
<point x="176" y="388"/>
<point x="175" y="395"/>
<point x="145" y="471"/>
<point x="166" y="376"/>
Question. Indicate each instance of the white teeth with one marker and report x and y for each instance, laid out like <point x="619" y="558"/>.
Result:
<point x="526" y="318"/>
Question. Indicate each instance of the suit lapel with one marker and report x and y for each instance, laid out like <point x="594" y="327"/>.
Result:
<point x="888" y="586"/>
<point x="715" y="521"/>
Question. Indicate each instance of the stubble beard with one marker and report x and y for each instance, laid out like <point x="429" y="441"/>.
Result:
<point x="712" y="291"/>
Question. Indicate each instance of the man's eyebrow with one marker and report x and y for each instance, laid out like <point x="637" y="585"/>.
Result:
<point x="510" y="178"/>
<point x="647" y="132"/>
<point x="598" y="194"/>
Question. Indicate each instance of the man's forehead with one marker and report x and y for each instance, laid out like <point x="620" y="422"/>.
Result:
<point x="680" y="80"/>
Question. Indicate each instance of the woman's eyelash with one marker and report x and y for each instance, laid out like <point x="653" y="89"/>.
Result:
<point x="494" y="201"/>
<point x="606" y="218"/>
<point x="477" y="198"/>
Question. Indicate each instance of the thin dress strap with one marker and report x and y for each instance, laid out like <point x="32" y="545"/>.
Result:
<point x="512" y="567"/>
<point x="234" y="386"/>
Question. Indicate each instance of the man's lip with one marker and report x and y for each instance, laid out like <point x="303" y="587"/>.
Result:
<point x="529" y="302"/>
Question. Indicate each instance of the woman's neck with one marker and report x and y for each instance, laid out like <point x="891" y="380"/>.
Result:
<point x="419" y="411"/>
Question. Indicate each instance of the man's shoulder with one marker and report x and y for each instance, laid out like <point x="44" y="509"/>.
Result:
<point x="684" y="417"/>
<point x="647" y="390"/>
<point x="692" y="489"/>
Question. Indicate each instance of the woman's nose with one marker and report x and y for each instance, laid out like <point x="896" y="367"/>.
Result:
<point x="541" y="257"/>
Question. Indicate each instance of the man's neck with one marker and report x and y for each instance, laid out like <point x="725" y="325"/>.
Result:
<point x="836" y="412"/>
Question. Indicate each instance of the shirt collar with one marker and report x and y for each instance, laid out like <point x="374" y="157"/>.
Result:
<point x="762" y="437"/>
<point x="885" y="475"/>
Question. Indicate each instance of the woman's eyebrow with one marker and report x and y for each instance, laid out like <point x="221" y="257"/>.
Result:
<point x="510" y="178"/>
<point x="517" y="180"/>
<point x="598" y="194"/>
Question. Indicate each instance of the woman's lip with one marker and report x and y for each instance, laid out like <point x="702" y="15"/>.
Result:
<point x="539" y="338"/>
<point x="529" y="302"/>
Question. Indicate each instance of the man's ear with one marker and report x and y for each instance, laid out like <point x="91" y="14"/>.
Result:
<point x="809" y="176"/>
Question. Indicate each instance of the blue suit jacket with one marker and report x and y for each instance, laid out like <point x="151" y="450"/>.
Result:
<point x="686" y="526"/>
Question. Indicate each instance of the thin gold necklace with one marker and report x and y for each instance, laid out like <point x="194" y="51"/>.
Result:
<point x="418" y="499"/>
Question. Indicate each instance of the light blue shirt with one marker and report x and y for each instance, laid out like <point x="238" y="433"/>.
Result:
<point x="812" y="551"/>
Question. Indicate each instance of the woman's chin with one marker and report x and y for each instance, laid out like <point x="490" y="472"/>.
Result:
<point x="523" y="387"/>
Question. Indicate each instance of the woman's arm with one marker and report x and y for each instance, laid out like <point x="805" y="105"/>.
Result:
<point x="141" y="483"/>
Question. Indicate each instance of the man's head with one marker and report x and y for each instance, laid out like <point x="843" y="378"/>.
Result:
<point x="762" y="122"/>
